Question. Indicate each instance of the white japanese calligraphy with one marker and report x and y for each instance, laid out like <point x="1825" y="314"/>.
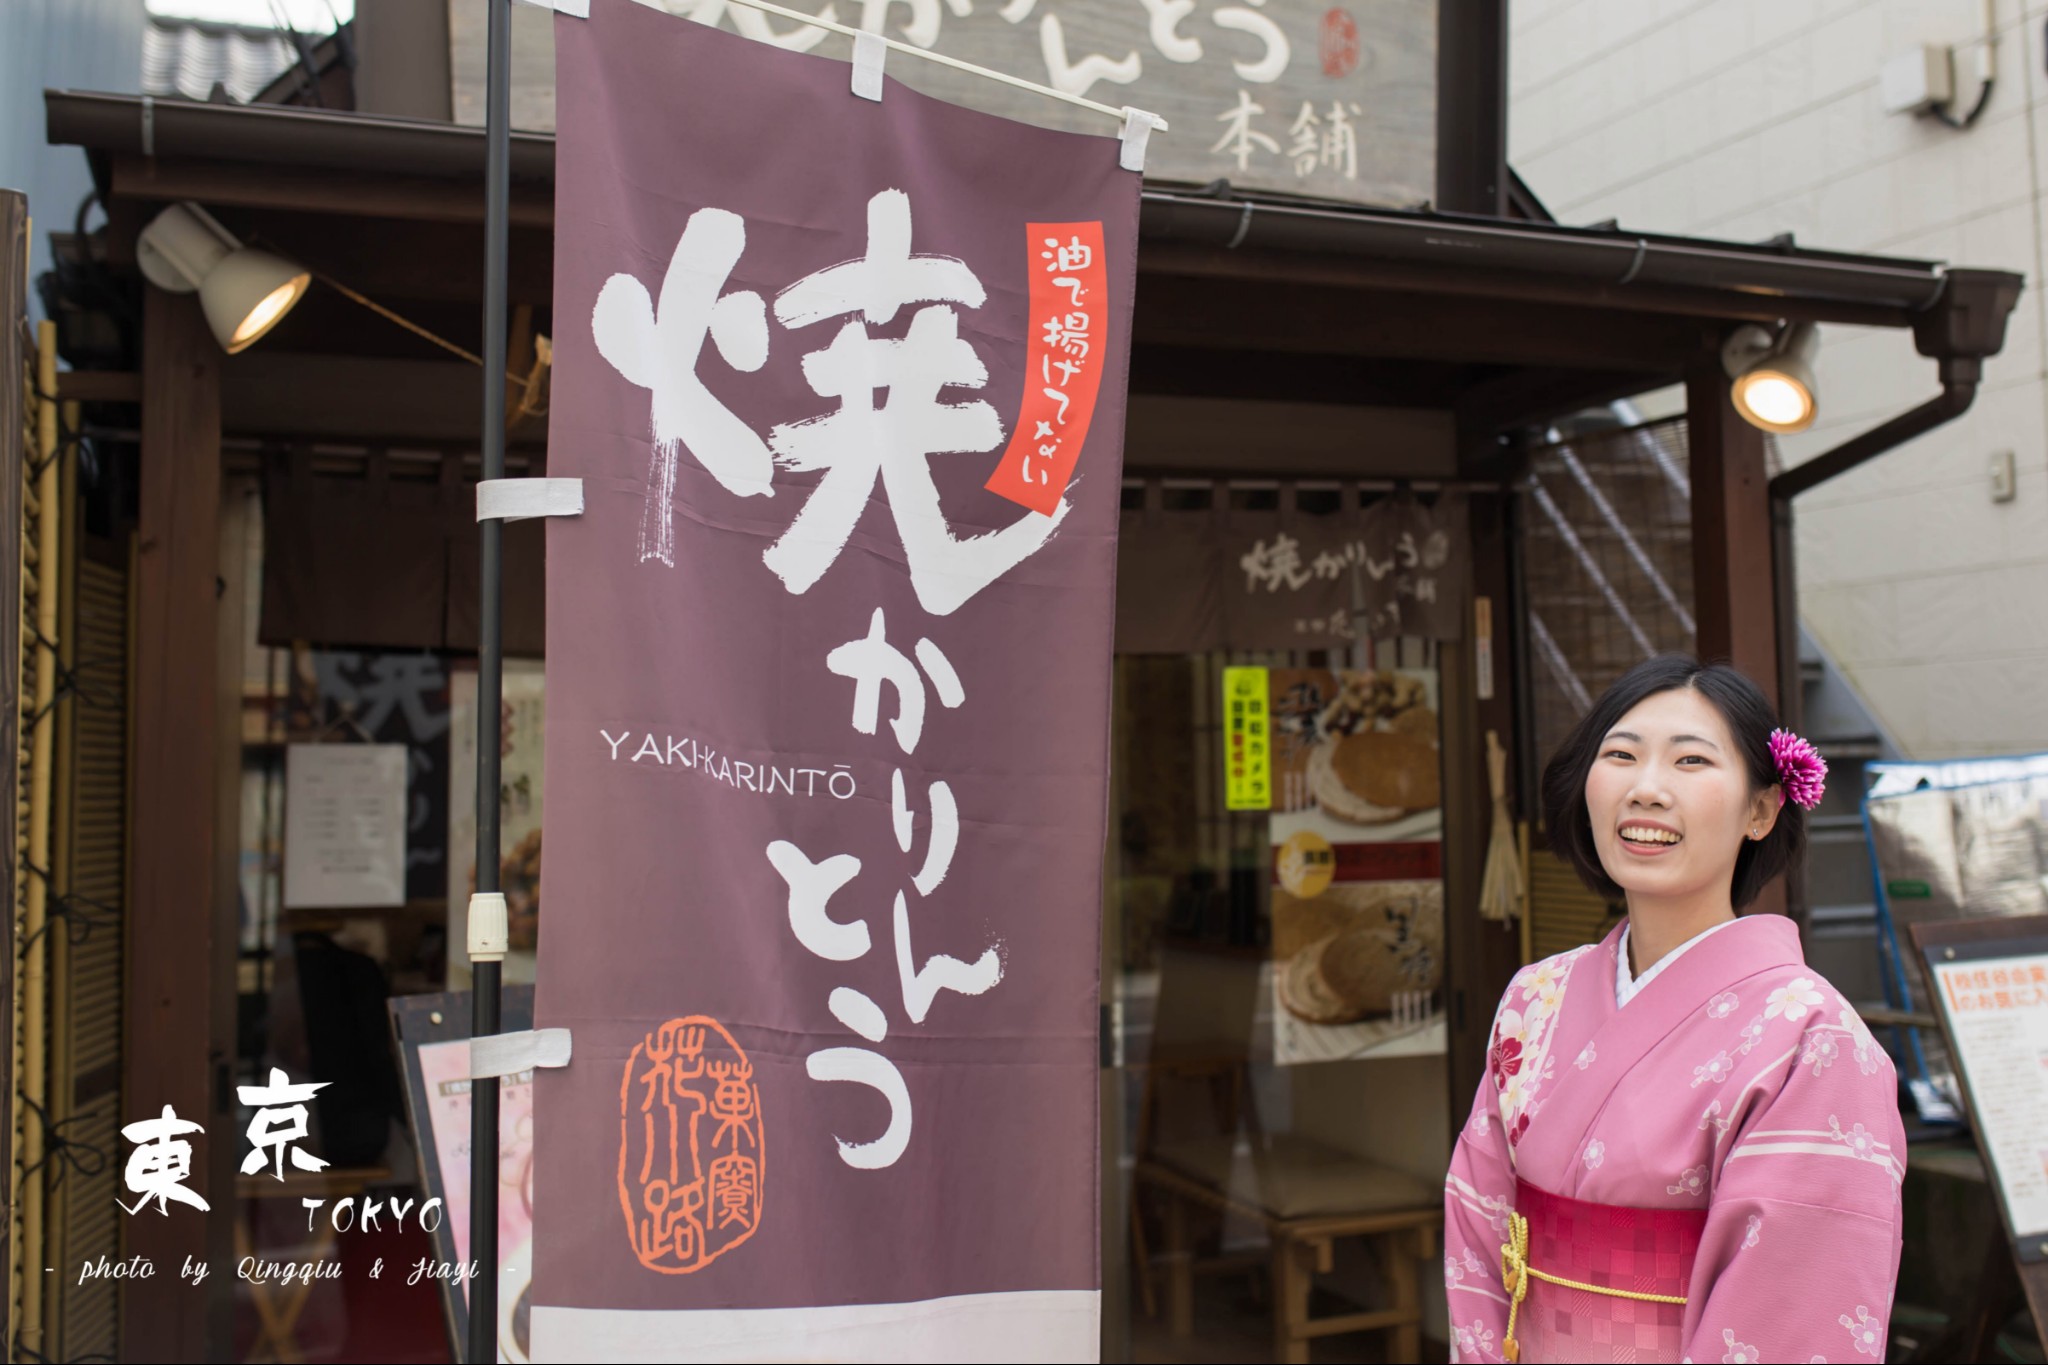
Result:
<point x="859" y="442"/>
<point x="1239" y="138"/>
<point x="657" y="350"/>
<point x="1269" y="66"/>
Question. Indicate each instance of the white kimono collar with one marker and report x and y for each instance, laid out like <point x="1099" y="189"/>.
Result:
<point x="1627" y="986"/>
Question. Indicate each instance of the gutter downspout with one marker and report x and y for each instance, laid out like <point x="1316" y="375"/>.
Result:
<point x="1962" y="326"/>
<point x="1965" y="323"/>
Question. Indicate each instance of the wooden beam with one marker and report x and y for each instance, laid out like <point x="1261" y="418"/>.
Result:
<point x="100" y="386"/>
<point x="1522" y="398"/>
<point x="1734" y="599"/>
<point x="1480" y="954"/>
<point x="1301" y="378"/>
<point x="346" y="193"/>
<point x="1280" y="317"/>
<point x="401" y="261"/>
<point x="14" y="241"/>
<point x="273" y="392"/>
<point x="1360" y="270"/>
<point x="172" y="1054"/>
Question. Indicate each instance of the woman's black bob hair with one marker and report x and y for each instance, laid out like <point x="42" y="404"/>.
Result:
<point x="1750" y="719"/>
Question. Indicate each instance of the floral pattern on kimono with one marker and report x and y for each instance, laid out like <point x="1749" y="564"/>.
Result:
<point x="1738" y="1083"/>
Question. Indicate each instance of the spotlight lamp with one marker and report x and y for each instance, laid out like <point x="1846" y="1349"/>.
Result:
<point x="243" y="292"/>
<point x="1774" y="385"/>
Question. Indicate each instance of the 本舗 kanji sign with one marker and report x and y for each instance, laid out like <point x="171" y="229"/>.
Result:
<point x="828" y="666"/>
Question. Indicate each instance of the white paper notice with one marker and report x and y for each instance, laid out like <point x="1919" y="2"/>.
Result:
<point x="1998" y="1017"/>
<point x="344" y="825"/>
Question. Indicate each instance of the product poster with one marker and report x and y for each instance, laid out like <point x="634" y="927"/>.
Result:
<point x="443" y="1067"/>
<point x="1357" y="829"/>
<point x="828" y="676"/>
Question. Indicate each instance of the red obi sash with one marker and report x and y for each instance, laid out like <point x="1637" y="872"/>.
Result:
<point x="1603" y="1247"/>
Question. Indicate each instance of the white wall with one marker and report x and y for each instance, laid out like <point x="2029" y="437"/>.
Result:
<point x="1741" y="119"/>
<point x="58" y="44"/>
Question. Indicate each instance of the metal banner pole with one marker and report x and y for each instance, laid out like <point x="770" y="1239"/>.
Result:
<point x="487" y="928"/>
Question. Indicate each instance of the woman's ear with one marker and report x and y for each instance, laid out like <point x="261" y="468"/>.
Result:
<point x="1763" y="811"/>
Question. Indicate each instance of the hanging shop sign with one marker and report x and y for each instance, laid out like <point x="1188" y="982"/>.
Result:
<point x="1337" y="101"/>
<point x="1223" y="578"/>
<point x="828" y="683"/>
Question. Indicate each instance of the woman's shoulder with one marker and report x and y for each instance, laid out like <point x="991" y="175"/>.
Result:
<point x="1547" y="971"/>
<point x="1795" y="997"/>
<point x="1545" y="978"/>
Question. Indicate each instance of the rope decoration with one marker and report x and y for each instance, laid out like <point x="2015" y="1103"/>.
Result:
<point x="84" y="1157"/>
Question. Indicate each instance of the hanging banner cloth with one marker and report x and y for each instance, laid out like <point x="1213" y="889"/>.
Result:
<point x="828" y="680"/>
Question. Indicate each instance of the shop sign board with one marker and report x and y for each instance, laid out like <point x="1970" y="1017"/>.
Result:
<point x="1332" y="100"/>
<point x="1247" y="740"/>
<point x="828" y="676"/>
<point x="1988" y="976"/>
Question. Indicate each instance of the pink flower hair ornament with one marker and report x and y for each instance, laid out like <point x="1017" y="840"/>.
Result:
<point x="1802" y="772"/>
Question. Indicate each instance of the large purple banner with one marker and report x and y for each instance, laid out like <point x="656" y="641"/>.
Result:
<point x="827" y="683"/>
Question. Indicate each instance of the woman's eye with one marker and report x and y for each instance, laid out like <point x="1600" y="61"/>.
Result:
<point x="1700" y="759"/>
<point x="1618" y="753"/>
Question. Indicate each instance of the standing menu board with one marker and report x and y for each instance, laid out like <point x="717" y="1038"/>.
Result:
<point x="432" y="1035"/>
<point x="1989" y="982"/>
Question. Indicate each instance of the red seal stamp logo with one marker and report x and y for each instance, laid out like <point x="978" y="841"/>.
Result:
<point x="1338" y="43"/>
<point x="690" y="1153"/>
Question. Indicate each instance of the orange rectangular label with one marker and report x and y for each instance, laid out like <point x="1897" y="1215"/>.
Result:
<point x="1064" y="358"/>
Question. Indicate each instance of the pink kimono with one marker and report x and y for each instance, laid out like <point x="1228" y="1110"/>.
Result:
<point x="1731" y="1137"/>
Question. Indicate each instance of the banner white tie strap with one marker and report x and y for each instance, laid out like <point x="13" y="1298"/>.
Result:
<point x="1137" y="135"/>
<point x="508" y="1054"/>
<point x="869" y="51"/>
<point x="518" y="499"/>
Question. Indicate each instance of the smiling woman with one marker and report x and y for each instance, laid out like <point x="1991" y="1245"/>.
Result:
<point x="1676" y="1119"/>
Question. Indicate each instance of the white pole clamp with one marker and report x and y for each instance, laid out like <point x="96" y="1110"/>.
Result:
<point x="490" y="934"/>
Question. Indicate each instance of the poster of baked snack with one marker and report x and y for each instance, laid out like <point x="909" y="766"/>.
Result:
<point x="1357" y="895"/>
<point x="1355" y="761"/>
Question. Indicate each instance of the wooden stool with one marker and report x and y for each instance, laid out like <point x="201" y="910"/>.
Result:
<point x="1306" y="1195"/>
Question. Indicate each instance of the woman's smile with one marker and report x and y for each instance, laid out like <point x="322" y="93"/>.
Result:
<point x="1648" y="838"/>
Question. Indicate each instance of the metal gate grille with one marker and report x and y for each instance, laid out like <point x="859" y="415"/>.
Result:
<point x="1606" y="525"/>
<point x="1607" y="554"/>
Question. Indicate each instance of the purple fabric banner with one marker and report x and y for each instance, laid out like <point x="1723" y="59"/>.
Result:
<point x="827" y="710"/>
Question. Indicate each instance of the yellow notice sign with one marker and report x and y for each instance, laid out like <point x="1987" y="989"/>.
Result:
<point x="1247" y="740"/>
